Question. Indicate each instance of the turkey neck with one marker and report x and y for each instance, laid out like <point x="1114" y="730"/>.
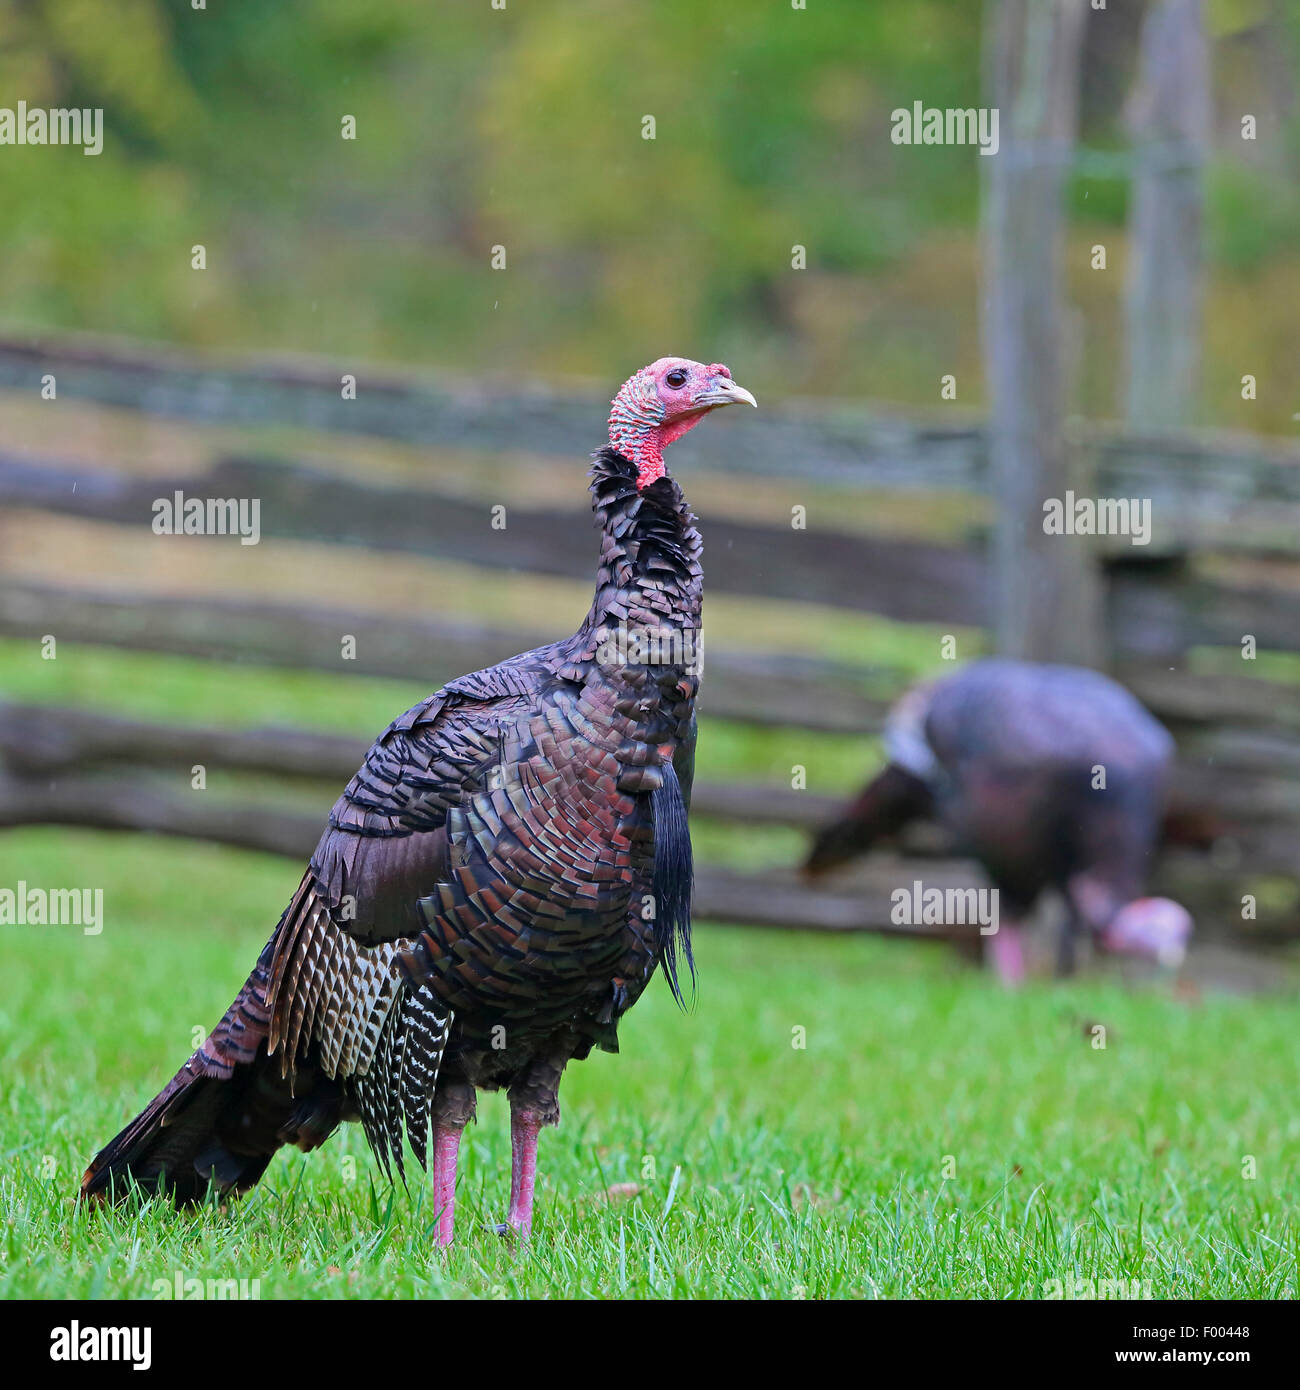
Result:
<point x="649" y="580"/>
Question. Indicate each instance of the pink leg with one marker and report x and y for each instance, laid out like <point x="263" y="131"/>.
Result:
<point x="525" y="1125"/>
<point x="446" y="1148"/>
<point x="1006" y="951"/>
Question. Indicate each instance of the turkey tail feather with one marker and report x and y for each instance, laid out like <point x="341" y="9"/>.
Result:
<point x="222" y="1117"/>
<point x="143" y="1153"/>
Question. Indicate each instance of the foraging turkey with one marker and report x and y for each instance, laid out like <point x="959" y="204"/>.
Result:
<point x="496" y="885"/>
<point x="1010" y="757"/>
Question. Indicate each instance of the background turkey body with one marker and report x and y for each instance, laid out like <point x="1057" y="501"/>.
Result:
<point x="1052" y="777"/>
<point x="496" y="886"/>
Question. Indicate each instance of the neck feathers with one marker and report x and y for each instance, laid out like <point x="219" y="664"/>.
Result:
<point x="649" y="573"/>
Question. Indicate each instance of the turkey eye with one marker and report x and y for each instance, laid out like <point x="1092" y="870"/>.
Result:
<point x="676" y="378"/>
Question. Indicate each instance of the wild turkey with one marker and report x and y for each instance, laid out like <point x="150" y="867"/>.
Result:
<point x="1010" y="756"/>
<point x="496" y="885"/>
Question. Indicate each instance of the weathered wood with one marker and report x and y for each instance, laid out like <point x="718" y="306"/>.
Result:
<point x="1237" y="737"/>
<point x="1248" y="780"/>
<point x="1157" y="614"/>
<point x="778" y="898"/>
<point x="827" y="439"/>
<point x="1237" y="490"/>
<point x="39" y="738"/>
<point x="1046" y="596"/>
<point x="1169" y="118"/>
<point x="856" y="901"/>
<point x="901" y="579"/>
<point x="146" y="804"/>
<point x="44" y="740"/>
<point x="757" y="688"/>
<point x="1183" y="699"/>
<point x="1156" y="609"/>
<point x="774" y="899"/>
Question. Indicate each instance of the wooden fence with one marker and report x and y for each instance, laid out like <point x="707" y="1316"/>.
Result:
<point x="1224" y="564"/>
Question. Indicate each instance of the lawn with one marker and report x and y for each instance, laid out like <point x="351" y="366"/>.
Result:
<point x="934" y="1137"/>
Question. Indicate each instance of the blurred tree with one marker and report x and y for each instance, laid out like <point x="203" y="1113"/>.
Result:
<point x="1170" y="117"/>
<point x="1045" y="592"/>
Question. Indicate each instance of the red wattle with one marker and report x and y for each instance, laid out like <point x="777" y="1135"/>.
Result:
<point x="649" y="466"/>
<point x="649" y="456"/>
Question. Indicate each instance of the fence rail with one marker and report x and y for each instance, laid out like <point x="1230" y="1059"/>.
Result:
<point x="68" y="767"/>
<point x="1157" y="607"/>
<point x="1238" y="490"/>
<point x="74" y="767"/>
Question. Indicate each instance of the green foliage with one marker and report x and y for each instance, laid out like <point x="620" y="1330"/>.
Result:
<point x="1099" y="196"/>
<point x="1251" y="216"/>
<point x="475" y="128"/>
<point x="522" y="128"/>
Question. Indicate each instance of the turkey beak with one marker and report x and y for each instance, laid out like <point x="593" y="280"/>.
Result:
<point x="723" y="391"/>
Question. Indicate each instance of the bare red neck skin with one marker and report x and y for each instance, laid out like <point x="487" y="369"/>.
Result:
<point x="638" y="430"/>
<point x="646" y="448"/>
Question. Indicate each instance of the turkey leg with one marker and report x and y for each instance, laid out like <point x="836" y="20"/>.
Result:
<point x="453" y="1108"/>
<point x="446" y="1150"/>
<point x="1006" y="953"/>
<point x="534" y="1103"/>
<point x="1067" y="944"/>
<point x="525" y="1126"/>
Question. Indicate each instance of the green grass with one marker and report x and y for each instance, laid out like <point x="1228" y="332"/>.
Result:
<point x="762" y="1169"/>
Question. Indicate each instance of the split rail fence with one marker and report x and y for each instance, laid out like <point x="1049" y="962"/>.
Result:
<point x="1223" y="566"/>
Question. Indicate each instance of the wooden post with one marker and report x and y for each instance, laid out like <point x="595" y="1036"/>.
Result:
<point x="1046" y="598"/>
<point x="1168" y="117"/>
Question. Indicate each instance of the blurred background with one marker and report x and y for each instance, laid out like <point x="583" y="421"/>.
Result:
<point x="478" y="127"/>
<point x="494" y="252"/>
